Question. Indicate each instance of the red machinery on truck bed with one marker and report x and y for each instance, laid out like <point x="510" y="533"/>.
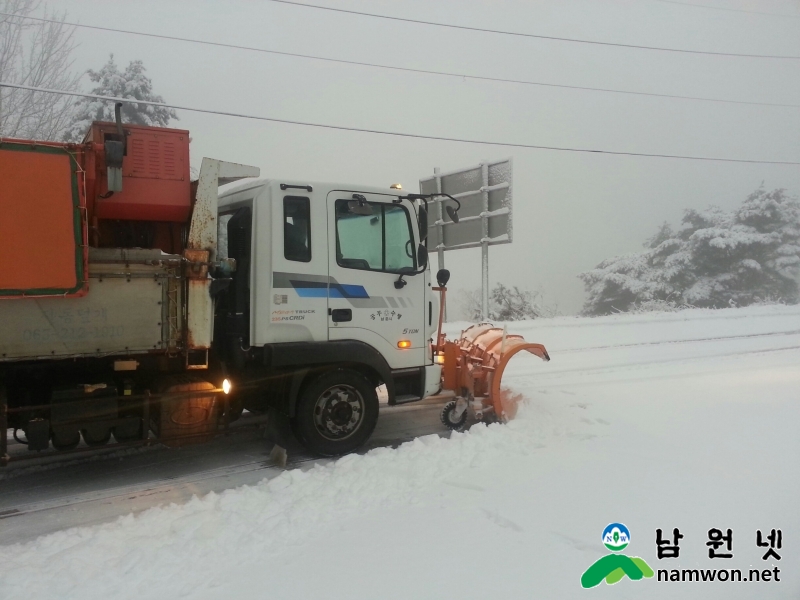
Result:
<point x="57" y="203"/>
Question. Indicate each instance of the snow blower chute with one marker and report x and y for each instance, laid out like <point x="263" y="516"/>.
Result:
<point x="473" y="368"/>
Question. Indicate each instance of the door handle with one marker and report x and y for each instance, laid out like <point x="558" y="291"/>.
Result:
<point x="340" y="315"/>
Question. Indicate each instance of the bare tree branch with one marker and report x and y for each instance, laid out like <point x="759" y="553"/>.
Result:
<point x="35" y="54"/>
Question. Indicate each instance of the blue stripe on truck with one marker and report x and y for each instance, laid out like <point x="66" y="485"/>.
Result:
<point x="318" y="289"/>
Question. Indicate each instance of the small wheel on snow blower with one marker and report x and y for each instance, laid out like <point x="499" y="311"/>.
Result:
<point x="448" y="417"/>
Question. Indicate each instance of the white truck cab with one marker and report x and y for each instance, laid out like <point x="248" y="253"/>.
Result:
<point x="329" y="278"/>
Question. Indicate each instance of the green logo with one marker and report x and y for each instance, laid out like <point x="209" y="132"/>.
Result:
<point x="614" y="567"/>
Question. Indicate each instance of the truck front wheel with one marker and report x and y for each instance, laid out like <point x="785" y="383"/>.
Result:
<point x="336" y="413"/>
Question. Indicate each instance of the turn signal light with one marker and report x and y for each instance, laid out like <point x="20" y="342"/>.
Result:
<point x="404" y="344"/>
<point x="439" y="359"/>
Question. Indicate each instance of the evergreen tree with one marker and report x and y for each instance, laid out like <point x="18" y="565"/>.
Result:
<point x="664" y="233"/>
<point x="133" y="84"/>
<point x="512" y="304"/>
<point x="749" y="255"/>
<point x="715" y="259"/>
<point x="617" y="283"/>
<point x="506" y="304"/>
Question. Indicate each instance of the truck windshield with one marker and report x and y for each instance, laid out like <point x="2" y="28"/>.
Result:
<point x="381" y="241"/>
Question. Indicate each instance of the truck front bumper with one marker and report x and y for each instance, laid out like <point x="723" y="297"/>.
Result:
<point x="433" y="380"/>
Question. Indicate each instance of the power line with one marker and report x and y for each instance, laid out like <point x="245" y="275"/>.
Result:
<point x="532" y="35"/>
<point x="739" y="10"/>
<point x="408" y="69"/>
<point x="396" y="133"/>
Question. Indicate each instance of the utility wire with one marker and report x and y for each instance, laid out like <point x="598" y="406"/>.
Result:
<point x="739" y="10"/>
<point x="537" y="36"/>
<point x="407" y="69"/>
<point x="396" y="133"/>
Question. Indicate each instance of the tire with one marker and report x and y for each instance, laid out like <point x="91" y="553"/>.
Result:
<point x="128" y="431"/>
<point x="96" y="436"/>
<point x="448" y="417"/>
<point x="336" y="412"/>
<point x="66" y="439"/>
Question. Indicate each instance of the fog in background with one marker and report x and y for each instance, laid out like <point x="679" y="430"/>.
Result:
<point x="571" y="210"/>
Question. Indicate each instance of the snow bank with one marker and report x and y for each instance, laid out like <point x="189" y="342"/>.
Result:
<point x="208" y="540"/>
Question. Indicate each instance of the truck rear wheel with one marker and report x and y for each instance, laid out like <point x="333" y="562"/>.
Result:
<point x="95" y="435"/>
<point x="336" y="413"/>
<point x="66" y="438"/>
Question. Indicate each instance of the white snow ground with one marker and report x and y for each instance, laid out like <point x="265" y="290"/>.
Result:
<point x="684" y="420"/>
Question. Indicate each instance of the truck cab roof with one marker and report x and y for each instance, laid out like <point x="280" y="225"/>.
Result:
<point x="228" y="191"/>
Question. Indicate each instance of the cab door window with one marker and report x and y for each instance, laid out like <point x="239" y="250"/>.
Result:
<point x="297" y="228"/>
<point x="381" y="241"/>
<point x="399" y="246"/>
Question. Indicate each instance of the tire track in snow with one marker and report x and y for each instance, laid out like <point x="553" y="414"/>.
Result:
<point x="643" y="319"/>
<point x="38" y="516"/>
<point x="154" y="486"/>
<point x="686" y="341"/>
<point x="633" y="365"/>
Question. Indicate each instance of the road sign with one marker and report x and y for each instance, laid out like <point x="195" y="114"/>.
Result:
<point x="484" y="192"/>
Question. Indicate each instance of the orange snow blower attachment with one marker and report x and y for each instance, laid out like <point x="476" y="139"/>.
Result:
<point x="473" y="368"/>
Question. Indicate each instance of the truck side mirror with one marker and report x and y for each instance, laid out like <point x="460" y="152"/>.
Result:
<point x="356" y="207"/>
<point x="422" y="256"/>
<point x="359" y="206"/>
<point x="453" y="213"/>
<point x="423" y="223"/>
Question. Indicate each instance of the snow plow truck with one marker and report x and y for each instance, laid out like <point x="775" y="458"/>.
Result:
<point x="140" y="305"/>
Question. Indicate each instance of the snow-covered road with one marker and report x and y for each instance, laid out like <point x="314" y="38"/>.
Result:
<point x="39" y="500"/>
<point x="684" y="420"/>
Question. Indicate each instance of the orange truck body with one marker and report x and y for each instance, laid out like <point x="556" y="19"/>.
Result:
<point x="54" y="196"/>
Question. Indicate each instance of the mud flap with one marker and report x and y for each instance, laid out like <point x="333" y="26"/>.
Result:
<point x="278" y="432"/>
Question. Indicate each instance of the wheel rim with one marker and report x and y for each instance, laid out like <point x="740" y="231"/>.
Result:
<point x="339" y="412"/>
<point x="451" y="416"/>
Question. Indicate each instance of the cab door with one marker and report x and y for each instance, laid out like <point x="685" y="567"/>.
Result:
<point x="375" y="293"/>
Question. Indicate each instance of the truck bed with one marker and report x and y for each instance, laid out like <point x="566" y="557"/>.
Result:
<point x="133" y="306"/>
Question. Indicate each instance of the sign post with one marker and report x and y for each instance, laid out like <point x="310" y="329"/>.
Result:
<point x="440" y="215"/>
<point x="485" y="242"/>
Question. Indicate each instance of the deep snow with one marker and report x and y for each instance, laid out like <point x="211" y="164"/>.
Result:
<point x="669" y="420"/>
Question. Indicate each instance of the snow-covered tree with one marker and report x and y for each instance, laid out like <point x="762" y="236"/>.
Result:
<point x="617" y="283"/>
<point x="715" y="259"/>
<point x="506" y="304"/>
<point x="36" y="54"/>
<point x="131" y="83"/>
<point x="749" y="255"/>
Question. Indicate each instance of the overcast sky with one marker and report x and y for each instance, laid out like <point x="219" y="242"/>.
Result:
<point x="571" y="210"/>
